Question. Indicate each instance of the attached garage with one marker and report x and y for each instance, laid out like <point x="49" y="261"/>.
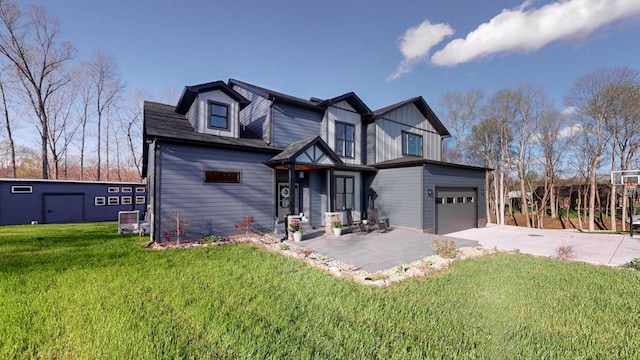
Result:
<point x="430" y="196"/>
<point x="456" y="209"/>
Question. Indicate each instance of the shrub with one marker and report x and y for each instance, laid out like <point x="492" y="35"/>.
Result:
<point x="444" y="247"/>
<point x="209" y="239"/>
<point x="245" y="224"/>
<point x="565" y="252"/>
<point x="633" y="264"/>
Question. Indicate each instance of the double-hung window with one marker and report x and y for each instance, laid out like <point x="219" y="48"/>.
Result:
<point x="345" y="194"/>
<point x="218" y="115"/>
<point x="345" y="140"/>
<point x="411" y="144"/>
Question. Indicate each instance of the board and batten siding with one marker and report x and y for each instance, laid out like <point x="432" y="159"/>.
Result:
<point x="153" y="182"/>
<point x="257" y="115"/>
<point x="388" y="145"/>
<point x="318" y="196"/>
<point x="399" y="196"/>
<point x="439" y="176"/>
<point x="213" y="208"/>
<point x="291" y="124"/>
<point x="344" y="113"/>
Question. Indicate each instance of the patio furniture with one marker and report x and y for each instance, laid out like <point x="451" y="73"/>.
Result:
<point x="351" y="224"/>
<point x="382" y="225"/>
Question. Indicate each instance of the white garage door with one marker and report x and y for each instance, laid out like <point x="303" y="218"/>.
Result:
<point x="456" y="209"/>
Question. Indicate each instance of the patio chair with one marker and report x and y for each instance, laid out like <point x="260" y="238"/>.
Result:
<point x="351" y="225"/>
<point x="362" y="229"/>
<point x="382" y="226"/>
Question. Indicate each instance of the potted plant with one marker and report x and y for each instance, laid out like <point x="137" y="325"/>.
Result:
<point x="295" y="227"/>
<point x="337" y="228"/>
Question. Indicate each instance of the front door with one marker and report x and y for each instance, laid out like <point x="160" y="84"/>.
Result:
<point x="284" y="196"/>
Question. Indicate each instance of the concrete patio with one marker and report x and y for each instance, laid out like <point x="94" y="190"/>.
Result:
<point x="374" y="251"/>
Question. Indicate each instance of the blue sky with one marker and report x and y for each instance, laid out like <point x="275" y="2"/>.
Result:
<point x="385" y="51"/>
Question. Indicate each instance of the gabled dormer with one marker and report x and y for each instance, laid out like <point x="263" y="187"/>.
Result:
<point x="212" y="108"/>
<point x="405" y="129"/>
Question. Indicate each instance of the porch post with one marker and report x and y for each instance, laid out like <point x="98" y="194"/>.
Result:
<point x="292" y="187"/>
<point x="332" y="183"/>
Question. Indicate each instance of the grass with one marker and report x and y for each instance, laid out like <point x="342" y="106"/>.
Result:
<point x="81" y="291"/>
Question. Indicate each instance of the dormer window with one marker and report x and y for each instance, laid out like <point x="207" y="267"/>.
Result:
<point x="218" y="115"/>
<point x="345" y="140"/>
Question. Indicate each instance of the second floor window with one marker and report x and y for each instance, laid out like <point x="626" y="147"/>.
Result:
<point x="411" y="144"/>
<point x="218" y="115"/>
<point x="345" y="140"/>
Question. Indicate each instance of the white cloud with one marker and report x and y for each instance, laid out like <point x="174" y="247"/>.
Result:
<point x="527" y="30"/>
<point x="416" y="43"/>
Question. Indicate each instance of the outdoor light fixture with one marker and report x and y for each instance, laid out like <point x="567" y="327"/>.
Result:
<point x="482" y="191"/>
<point x="430" y="192"/>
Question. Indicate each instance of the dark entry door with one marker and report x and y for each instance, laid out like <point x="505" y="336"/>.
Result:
<point x="456" y="209"/>
<point x="63" y="208"/>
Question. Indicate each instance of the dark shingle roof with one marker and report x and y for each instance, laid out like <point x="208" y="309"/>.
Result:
<point x="352" y="99"/>
<point x="408" y="161"/>
<point x="295" y="148"/>
<point x="162" y="122"/>
<point x="190" y="93"/>
<point x="275" y="95"/>
<point x="424" y="108"/>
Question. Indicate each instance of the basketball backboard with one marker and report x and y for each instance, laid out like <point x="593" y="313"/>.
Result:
<point x="625" y="177"/>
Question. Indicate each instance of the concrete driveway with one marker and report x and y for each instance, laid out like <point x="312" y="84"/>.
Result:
<point x="595" y="248"/>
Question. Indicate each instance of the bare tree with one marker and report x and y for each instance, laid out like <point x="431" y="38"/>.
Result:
<point x="86" y="95"/>
<point x="460" y="113"/>
<point x="8" y="126"/>
<point x="62" y="125"/>
<point x="108" y="87"/>
<point x="591" y="101"/>
<point x="131" y="125"/>
<point x="30" y="43"/>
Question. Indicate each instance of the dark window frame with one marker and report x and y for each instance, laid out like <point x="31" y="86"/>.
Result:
<point x="210" y="103"/>
<point x="345" y="193"/>
<point x="405" y="143"/>
<point x="210" y="176"/>
<point x="342" y="150"/>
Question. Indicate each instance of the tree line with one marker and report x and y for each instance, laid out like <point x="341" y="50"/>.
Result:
<point x="530" y="145"/>
<point x="86" y="128"/>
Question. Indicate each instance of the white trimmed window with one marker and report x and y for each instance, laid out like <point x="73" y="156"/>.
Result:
<point x="140" y="199"/>
<point x="125" y="200"/>
<point x="99" y="201"/>
<point x="22" y="189"/>
<point x="127" y="189"/>
<point x="113" y="189"/>
<point x="114" y="200"/>
<point x="141" y="189"/>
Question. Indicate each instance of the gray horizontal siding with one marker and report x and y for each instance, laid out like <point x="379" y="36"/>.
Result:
<point x="439" y="176"/>
<point x="213" y="208"/>
<point x="292" y="124"/>
<point x="399" y="196"/>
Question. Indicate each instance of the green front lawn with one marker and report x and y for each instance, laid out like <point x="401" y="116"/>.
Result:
<point x="82" y="291"/>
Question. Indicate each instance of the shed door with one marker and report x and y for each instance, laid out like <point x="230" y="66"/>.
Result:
<point x="456" y="210"/>
<point x="63" y="208"/>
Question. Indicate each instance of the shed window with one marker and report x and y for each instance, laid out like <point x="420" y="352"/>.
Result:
<point x="126" y="200"/>
<point x="140" y="199"/>
<point x="114" y="200"/>
<point x="411" y="144"/>
<point x="99" y="201"/>
<point x="218" y="115"/>
<point x="345" y="139"/>
<point x="228" y="177"/>
<point x="126" y="189"/>
<point x="22" y="189"/>
<point x="113" y="189"/>
<point x="141" y="189"/>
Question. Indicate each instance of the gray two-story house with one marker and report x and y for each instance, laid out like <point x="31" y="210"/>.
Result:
<point x="228" y="150"/>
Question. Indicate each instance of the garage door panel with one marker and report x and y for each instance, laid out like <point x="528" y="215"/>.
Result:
<point x="456" y="210"/>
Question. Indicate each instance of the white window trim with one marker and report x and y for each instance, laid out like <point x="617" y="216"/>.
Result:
<point x="126" y="200"/>
<point x="113" y="189"/>
<point x="141" y="189"/>
<point x="113" y="200"/>
<point x="127" y="189"/>
<point x="16" y="189"/>
<point x="99" y="201"/>
<point x="141" y="199"/>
